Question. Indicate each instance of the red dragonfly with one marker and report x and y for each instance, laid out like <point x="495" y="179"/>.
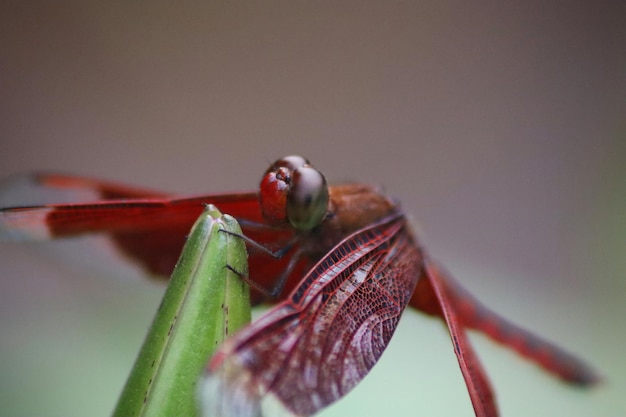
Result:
<point x="342" y="261"/>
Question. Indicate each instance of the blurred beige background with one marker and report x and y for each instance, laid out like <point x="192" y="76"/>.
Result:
<point x="500" y="127"/>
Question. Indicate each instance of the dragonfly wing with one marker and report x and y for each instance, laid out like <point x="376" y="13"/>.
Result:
<point x="473" y="314"/>
<point x="148" y="228"/>
<point x="314" y="347"/>
<point x="37" y="188"/>
<point x="144" y="227"/>
<point x="478" y="386"/>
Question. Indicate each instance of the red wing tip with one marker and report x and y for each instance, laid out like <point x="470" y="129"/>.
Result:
<point x="588" y="380"/>
<point x="57" y="180"/>
<point x="32" y="179"/>
<point x="228" y="388"/>
<point x="24" y="223"/>
<point x="65" y="181"/>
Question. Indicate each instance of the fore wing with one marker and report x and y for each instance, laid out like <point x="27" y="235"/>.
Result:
<point x="314" y="347"/>
<point x="145" y="227"/>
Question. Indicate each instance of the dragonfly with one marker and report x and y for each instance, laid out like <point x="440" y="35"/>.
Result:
<point x="340" y="262"/>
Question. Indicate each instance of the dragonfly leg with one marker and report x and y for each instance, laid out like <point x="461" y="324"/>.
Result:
<point x="279" y="283"/>
<point x="274" y="254"/>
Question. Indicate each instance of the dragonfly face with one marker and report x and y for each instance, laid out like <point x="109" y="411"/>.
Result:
<point x="293" y="191"/>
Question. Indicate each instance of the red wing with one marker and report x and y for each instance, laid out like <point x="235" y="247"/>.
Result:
<point x="146" y="227"/>
<point x="313" y="348"/>
<point x="476" y="380"/>
<point x="48" y="188"/>
<point x="104" y="190"/>
<point x="472" y="314"/>
<point x="31" y="196"/>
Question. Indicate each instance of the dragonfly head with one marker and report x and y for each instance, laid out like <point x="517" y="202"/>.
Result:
<point x="295" y="192"/>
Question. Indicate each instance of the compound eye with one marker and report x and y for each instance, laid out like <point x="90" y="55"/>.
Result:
<point x="293" y="192"/>
<point x="291" y="163"/>
<point x="307" y="200"/>
<point x="274" y="189"/>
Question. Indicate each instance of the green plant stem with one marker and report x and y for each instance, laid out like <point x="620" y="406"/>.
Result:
<point x="204" y="302"/>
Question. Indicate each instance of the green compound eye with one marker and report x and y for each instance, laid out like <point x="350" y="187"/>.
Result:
<point x="307" y="201"/>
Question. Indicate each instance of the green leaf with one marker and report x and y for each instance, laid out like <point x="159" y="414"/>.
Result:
<point x="204" y="302"/>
